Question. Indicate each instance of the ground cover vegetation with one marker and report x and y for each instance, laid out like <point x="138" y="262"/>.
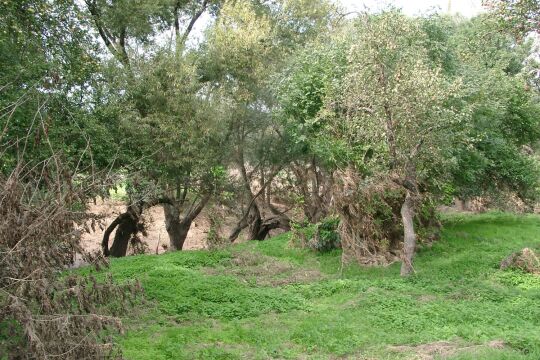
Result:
<point x="262" y="300"/>
<point x="348" y="132"/>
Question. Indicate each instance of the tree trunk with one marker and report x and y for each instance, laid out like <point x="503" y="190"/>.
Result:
<point x="273" y="222"/>
<point x="315" y="186"/>
<point x="176" y="228"/>
<point x="409" y="238"/>
<point x="255" y="222"/>
<point x="124" y="233"/>
<point x="128" y="226"/>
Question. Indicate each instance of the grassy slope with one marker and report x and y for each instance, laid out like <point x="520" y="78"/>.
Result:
<point x="266" y="300"/>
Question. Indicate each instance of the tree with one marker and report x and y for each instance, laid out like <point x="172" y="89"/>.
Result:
<point x="48" y="64"/>
<point x="492" y="157"/>
<point x="518" y="16"/>
<point x="313" y="74"/>
<point x="396" y="103"/>
<point x="245" y="48"/>
<point x="48" y="172"/>
<point x="123" y="23"/>
<point x="438" y="107"/>
<point x="164" y="112"/>
<point x="169" y="117"/>
<point x="239" y="57"/>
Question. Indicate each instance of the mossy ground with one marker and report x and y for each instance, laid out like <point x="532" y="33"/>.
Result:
<point x="267" y="300"/>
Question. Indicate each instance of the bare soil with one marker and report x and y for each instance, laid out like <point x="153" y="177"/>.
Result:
<point x="156" y="238"/>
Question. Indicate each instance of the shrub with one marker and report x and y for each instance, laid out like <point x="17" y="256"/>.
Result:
<point x="322" y="236"/>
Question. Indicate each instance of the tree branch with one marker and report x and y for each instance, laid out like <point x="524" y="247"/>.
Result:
<point x="194" y="212"/>
<point x="194" y="19"/>
<point x="108" y="38"/>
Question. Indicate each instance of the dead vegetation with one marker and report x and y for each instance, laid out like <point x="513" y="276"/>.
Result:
<point x="525" y="260"/>
<point x="265" y="270"/>
<point x="42" y="313"/>
<point x="370" y="226"/>
<point x="371" y="222"/>
<point x="443" y="349"/>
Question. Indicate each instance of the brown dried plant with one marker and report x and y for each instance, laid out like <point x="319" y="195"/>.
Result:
<point x="46" y="311"/>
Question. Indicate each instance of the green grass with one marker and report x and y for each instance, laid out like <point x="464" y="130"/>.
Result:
<point x="266" y="300"/>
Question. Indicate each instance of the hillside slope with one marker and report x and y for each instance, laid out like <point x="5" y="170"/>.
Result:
<point x="266" y="300"/>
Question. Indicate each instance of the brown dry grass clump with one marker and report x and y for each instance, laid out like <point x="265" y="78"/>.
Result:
<point x="265" y="270"/>
<point x="444" y="349"/>
<point x="525" y="260"/>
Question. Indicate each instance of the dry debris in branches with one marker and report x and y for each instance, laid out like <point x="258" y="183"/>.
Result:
<point x="45" y="313"/>
<point x="370" y="225"/>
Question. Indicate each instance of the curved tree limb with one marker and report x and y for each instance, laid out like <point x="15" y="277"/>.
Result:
<point x="133" y="212"/>
<point x="107" y="233"/>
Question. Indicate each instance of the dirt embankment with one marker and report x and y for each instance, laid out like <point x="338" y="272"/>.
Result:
<point x="156" y="237"/>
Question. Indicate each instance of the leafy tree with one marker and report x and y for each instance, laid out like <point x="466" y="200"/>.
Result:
<point x="493" y="156"/>
<point x="396" y="103"/>
<point x="314" y="74"/>
<point x="245" y="48"/>
<point x="165" y="115"/>
<point x="239" y="58"/>
<point x="47" y="84"/>
<point x="125" y="23"/>
<point x="437" y="105"/>
<point x="48" y="172"/>
<point x="519" y="16"/>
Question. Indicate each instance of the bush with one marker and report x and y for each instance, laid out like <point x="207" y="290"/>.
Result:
<point x="322" y="236"/>
<point x="326" y="235"/>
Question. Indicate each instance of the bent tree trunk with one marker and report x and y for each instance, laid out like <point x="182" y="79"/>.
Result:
<point x="128" y="226"/>
<point x="123" y="235"/>
<point x="251" y="219"/>
<point x="273" y="222"/>
<point x="259" y="228"/>
<point x="409" y="238"/>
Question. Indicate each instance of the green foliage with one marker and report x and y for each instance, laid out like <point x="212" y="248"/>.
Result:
<point x="504" y="120"/>
<point x="394" y="100"/>
<point x="321" y="237"/>
<point x="448" y="98"/>
<point x="301" y="233"/>
<point x="519" y="16"/>
<point x="438" y="30"/>
<point x="184" y="293"/>
<point x="48" y="82"/>
<point x="457" y="87"/>
<point x="314" y="74"/>
<point x="326" y="234"/>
